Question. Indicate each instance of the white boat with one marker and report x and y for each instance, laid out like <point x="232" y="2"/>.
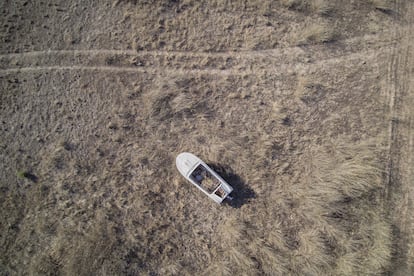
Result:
<point x="203" y="177"/>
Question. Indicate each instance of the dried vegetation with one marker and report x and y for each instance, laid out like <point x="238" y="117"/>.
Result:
<point x="333" y="223"/>
<point x="383" y="5"/>
<point x="90" y="185"/>
<point x="316" y="33"/>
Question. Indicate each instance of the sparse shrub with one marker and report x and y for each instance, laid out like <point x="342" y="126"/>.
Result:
<point x="241" y="259"/>
<point x="317" y="33"/>
<point x="322" y="7"/>
<point x="27" y="175"/>
<point x="117" y="2"/>
<point x="43" y="264"/>
<point x="382" y="5"/>
<point x="299" y="5"/>
<point x="310" y="91"/>
<point x="21" y="174"/>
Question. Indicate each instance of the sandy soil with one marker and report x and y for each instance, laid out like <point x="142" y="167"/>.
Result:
<point x="306" y="109"/>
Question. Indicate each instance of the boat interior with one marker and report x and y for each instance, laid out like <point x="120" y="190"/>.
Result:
<point x="205" y="179"/>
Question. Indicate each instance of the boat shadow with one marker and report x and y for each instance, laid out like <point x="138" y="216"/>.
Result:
<point x="242" y="193"/>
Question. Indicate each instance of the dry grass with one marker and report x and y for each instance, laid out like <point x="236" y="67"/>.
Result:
<point x="310" y="91"/>
<point x="89" y="184"/>
<point x="134" y="213"/>
<point x="345" y="186"/>
<point x="300" y="5"/>
<point x="383" y="5"/>
<point x="321" y="7"/>
<point x="353" y="172"/>
<point x="337" y="226"/>
<point x="316" y="33"/>
<point x="349" y="187"/>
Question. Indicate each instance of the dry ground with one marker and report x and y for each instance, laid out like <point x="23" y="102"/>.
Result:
<point x="305" y="107"/>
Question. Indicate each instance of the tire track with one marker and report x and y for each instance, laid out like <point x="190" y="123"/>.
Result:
<point x="393" y="92"/>
<point x="223" y="63"/>
<point x="128" y="62"/>
<point x="379" y="40"/>
<point x="114" y="69"/>
<point x="398" y="194"/>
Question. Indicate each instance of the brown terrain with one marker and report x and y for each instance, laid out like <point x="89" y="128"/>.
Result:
<point x="305" y="107"/>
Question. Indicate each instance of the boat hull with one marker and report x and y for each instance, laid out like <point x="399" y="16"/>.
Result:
<point x="203" y="177"/>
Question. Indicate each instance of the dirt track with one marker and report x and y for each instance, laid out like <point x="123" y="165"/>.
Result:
<point x="401" y="137"/>
<point x="186" y="62"/>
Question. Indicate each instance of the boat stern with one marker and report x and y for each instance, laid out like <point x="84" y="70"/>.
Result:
<point x="221" y="193"/>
